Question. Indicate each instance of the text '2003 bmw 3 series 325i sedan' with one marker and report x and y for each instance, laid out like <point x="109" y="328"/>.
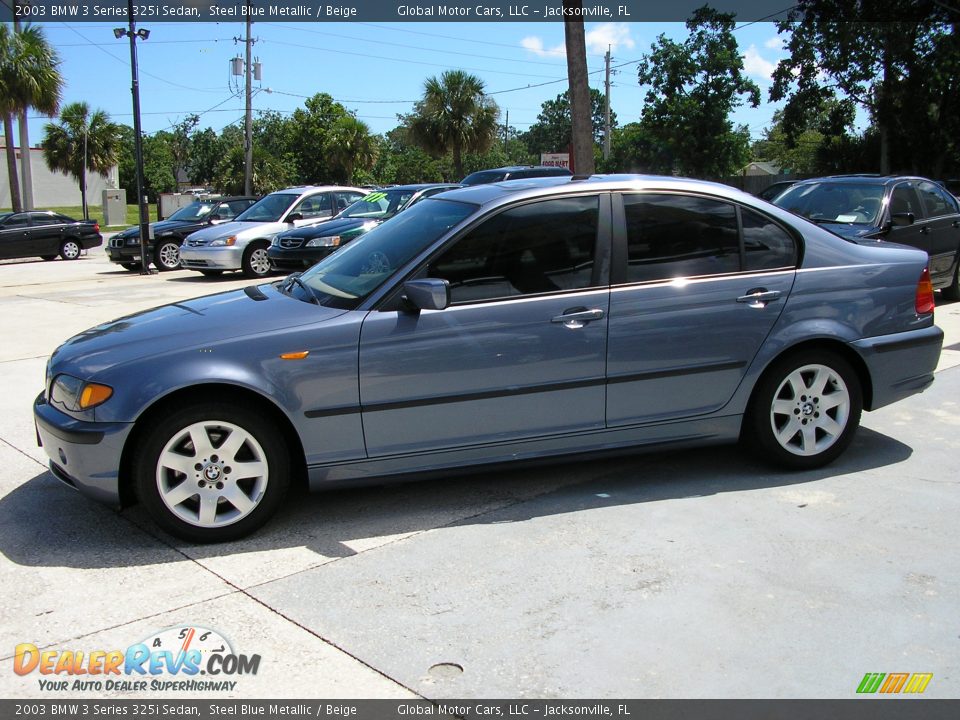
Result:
<point x="530" y="319"/>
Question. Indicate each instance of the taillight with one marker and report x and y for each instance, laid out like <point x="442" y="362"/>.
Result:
<point x="924" y="301"/>
<point x="96" y="227"/>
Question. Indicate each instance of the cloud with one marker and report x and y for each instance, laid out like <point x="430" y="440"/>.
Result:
<point x="756" y="66"/>
<point x="775" y="43"/>
<point x="615" y="35"/>
<point x="535" y="45"/>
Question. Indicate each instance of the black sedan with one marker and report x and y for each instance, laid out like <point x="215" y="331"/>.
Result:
<point x="302" y="247"/>
<point x="46" y="234"/>
<point x="168" y="235"/>
<point x="867" y="208"/>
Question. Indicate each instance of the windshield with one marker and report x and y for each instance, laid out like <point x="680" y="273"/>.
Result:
<point x="344" y="279"/>
<point x="268" y="209"/>
<point x="193" y="211"/>
<point x="379" y="205"/>
<point x="853" y="203"/>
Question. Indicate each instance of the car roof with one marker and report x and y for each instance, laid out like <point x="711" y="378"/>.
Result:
<point x="861" y="178"/>
<point x="418" y="186"/>
<point x="301" y="189"/>
<point x="493" y="193"/>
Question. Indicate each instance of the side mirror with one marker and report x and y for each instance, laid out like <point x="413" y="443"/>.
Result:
<point x="293" y="217"/>
<point x="902" y="219"/>
<point x="427" y="294"/>
<point x="213" y="218"/>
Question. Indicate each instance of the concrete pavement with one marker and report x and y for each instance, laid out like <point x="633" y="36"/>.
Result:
<point x="694" y="574"/>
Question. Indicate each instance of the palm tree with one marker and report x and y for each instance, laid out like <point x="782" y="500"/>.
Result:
<point x="29" y="78"/>
<point x="454" y="116"/>
<point x="81" y="141"/>
<point x="352" y="147"/>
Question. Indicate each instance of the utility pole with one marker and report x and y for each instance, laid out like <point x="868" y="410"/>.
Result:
<point x="248" y="118"/>
<point x="506" y="132"/>
<point x="606" y="110"/>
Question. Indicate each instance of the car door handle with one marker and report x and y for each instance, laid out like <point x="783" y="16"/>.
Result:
<point x="759" y="297"/>
<point x="575" y="318"/>
<point x="925" y="230"/>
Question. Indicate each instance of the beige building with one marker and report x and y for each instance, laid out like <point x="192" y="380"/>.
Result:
<point x="52" y="189"/>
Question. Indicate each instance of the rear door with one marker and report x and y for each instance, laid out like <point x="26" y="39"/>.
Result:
<point x="942" y="228"/>
<point x="46" y="233"/>
<point x="698" y="284"/>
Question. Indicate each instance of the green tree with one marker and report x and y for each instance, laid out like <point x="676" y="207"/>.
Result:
<point x="552" y="131"/>
<point x="181" y="146"/>
<point x="81" y="141"/>
<point x="309" y="135"/>
<point x="269" y="174"/>
<point x="351" y="147"/>
<point x="206" y="149"/>
<point x="29" y="78"/>
<point x="693" y="88"/>
<point x="634" y="148"/>
<point x="897" y="59"/>
<point x="454" y="116"/>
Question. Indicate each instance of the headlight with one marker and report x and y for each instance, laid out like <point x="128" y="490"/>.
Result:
<point x="224" y="242"/>
<point x="328" y="241"/>
<point x="275" y="242"/>
<point x="76" y="395"/>
<point x="134" y="240"/>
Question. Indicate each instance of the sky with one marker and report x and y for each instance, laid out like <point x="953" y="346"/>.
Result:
<point x="376" y="70"/>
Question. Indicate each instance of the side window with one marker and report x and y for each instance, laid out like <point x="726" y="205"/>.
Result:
<point x="671" y="236"/>
<point x="315" y="206"/>
<point x="766" y="245"/>
<point x="936" y="200"/>
<point x="43" y="219"/>
<point x="19" y="220"/>
<point x="904" y="200"/>
<point x="346" y="199"/>
<point x="542" y="247"/>
<point x="224" y="210"/>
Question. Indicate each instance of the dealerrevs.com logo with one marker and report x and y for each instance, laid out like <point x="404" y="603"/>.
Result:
<point x="185" y="658"/>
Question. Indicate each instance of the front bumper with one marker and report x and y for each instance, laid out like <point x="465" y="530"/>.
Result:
<point x="296" y="259"/>
<point x="204" y="257"/>
<point x="127" y="254"/>
<point x="84" y="455"/>
<point x="901" y="364"/>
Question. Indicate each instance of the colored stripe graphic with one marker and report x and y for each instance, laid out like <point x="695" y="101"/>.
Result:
<point x="894" y="682"/>
<point x="870" y="682"/>
<point x="918" y="682"/>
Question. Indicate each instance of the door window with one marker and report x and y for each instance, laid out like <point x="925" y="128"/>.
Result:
<point x="315" y="206"/>
<point x="541" y="247"/>
<point x="670" y="236"/>
<point x="13" y="221"/>
<point x="904" y="200"/>
<point x="936" y="200"/>
<point x="346" y="199"/>
<point x="43" y="219"/>
<point x="766" y="245"/>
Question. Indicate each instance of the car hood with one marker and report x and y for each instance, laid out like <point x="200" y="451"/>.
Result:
<point x="184" y="327"/>
<point x="159" y="227"/>
<point x="243" y="231"/>
<point x="331" y="227"/>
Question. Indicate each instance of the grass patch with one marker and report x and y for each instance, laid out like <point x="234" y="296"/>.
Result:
<point x="96" y="212"/>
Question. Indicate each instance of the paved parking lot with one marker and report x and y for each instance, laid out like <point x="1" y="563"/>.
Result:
<point x="687" y="574"/>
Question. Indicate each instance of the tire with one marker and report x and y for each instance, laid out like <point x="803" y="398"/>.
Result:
<point x="211" y="273"/>
<point x="167" y="256"/>
<point x="952" y="291"/>
<point x="188" y="477"/>
<point x="130" y="266"/>
<point x="70" y="250"/>
<point x="805" y="410"/>
<point x="256" y="263"/>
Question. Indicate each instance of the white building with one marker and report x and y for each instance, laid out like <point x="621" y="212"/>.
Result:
<point x="52" y="189"/>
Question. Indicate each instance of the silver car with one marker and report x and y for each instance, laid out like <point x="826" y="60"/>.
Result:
<point x="242" y="244"/>
<point x="524" y="320"/>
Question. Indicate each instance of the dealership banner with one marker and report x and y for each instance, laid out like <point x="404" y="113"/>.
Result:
<point x="153" y="11"/>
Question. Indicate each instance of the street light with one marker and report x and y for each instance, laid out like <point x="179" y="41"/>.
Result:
<point x="133" y="34"/>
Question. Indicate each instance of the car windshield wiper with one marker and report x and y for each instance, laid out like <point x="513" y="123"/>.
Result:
<point x="294" y="279"/>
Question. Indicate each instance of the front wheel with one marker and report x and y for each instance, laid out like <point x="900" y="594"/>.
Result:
<point x="212" y="472"/>
<point x="70" y="250"/>
<point x="167" y="256"/>
<point x="805" y="410"/>
<point x="256" y="262"/>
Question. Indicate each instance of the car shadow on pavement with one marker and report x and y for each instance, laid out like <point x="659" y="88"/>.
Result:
<point x="46" y="524"/>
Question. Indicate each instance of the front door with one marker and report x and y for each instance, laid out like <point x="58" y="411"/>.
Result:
<point x="520" y="352"/>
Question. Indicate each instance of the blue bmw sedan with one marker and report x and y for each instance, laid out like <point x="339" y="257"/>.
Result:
<point x="523" y="320"/>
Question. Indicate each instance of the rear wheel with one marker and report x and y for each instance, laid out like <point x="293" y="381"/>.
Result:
<point x="256" y="262"/>
<point x="212" y="472"/>
<point x="70" y="250"/>
<point x="167" y="256"/>
<point x="952" y="291"/>
<point x="805" y="410"/>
